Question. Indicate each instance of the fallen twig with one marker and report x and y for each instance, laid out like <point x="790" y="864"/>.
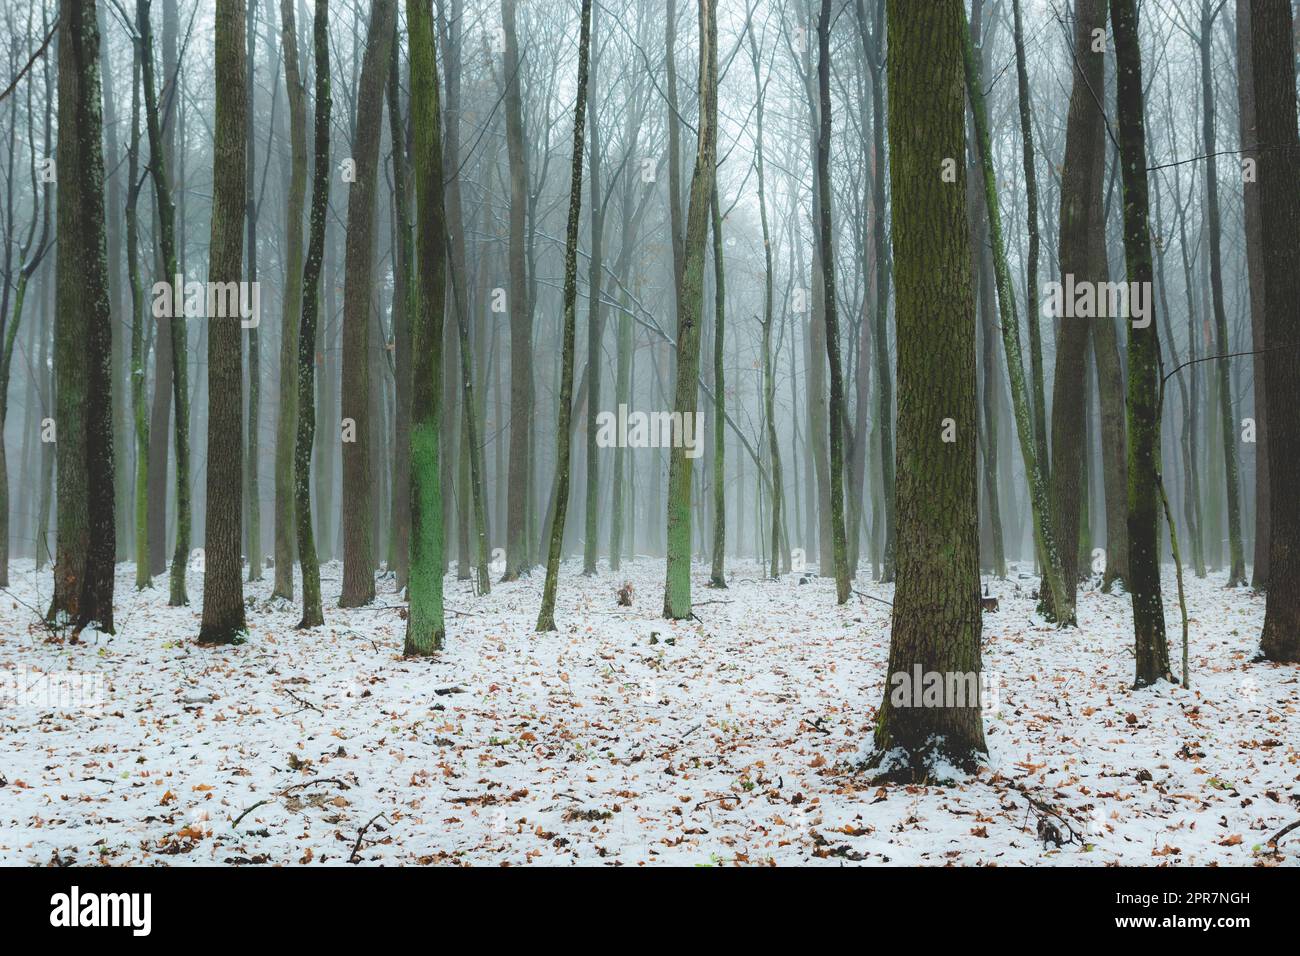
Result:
<point x="356" y="847"/>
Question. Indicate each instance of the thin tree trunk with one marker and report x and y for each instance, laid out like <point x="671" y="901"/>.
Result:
<point x="287" y="423"/>
<point x="677" y="587"/>
<point x="306" y="431"/>
<point x="1151" y="650"/>
<point x="546" y="616"/>
<point x="1236" y="551"/>
<point x="1044" y="532"/>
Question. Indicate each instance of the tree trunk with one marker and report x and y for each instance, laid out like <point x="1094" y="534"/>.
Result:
<point x="936" y="616"/>
<point x="518" y="549"/>
<point x="1081" y="252"/>
<point x="223" y="593"/>
<point x="1151" y="650"/>
<point x="1236" y="551"/>
<point x="86" y="543"/>
<point x="677" y="587"/>
<point x="306" y="431"/>
<point x="175" y="324"/>
<point x="546" y="616"/>
<point x="358" y="533"/>
<point x="1254" y="262"/>
<point x="1273" y="81"/>
<point x="425" y="629"/>
<point x="287" y="423"/>
<point x="1044" y="533"/>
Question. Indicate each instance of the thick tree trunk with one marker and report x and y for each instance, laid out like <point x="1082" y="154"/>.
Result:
<point x="425" y="629"/>
<point x="936" y="616"/>
<point x="223" y="593"/>
<point x="1272" y="59"/>
<point x="86" y="543"/>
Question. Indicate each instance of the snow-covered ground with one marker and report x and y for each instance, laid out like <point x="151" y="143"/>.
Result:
<point x="625" y="739"/>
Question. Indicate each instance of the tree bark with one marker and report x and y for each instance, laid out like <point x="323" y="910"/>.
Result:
<point x="358" y="533"/>
<point x="677" y="587"/>
<point x="1272" y="73"/>
<point x="1151" y="649"/>
<point x="86" y="542"/>
<point x="936" y="616"/>
<point x="287" y="423"/>
<point x="223" y="593"/>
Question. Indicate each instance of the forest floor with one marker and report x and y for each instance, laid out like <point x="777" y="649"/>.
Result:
<point x="624" y="739"/>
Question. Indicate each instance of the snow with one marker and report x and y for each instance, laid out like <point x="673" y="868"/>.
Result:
<point x="625" y="739"/>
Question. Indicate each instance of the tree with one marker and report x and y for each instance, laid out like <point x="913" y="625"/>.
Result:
<point x="1151" y="648"/>
<point x="1054" y="603"/>
<point x="595" y="316"/>
<point x="518" y="556"/>
<point x="320" y="189"/>
<point x="717" y="574"/>
<point x="358" y="533"/>
<point x="86" y="548"/>
<point x="936" y="617"/>
<point x="769" y="373"/>
<point x="873" y="45"/>
<point x="1227" y="421"/>
<point x="175" y="336"/>
<point x="837" y="415"/>
<point x="677" y="587"/>
<point x="1031" y="263"/>
<point x="286" y="425"/>
<point x="31" y="254"/>
<point x="1254" y="263"/>
<point x="139" y="319"/>
<point x="252" y="473"/>
<point x="223" y="592"/>
<point x="1273" y="81"/>
<point x="1082" y="253"/>
<point x="424" y="624"/>
<point x="546" y="616"/>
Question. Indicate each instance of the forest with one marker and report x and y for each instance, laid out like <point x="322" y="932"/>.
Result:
<point x="620" y="432"/>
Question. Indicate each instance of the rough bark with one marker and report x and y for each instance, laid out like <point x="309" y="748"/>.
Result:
<point x="223" y="593"/>
<point x="86" y="540"/>
<point x="936" y="617"/>
<point x="1272" y="59"/>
